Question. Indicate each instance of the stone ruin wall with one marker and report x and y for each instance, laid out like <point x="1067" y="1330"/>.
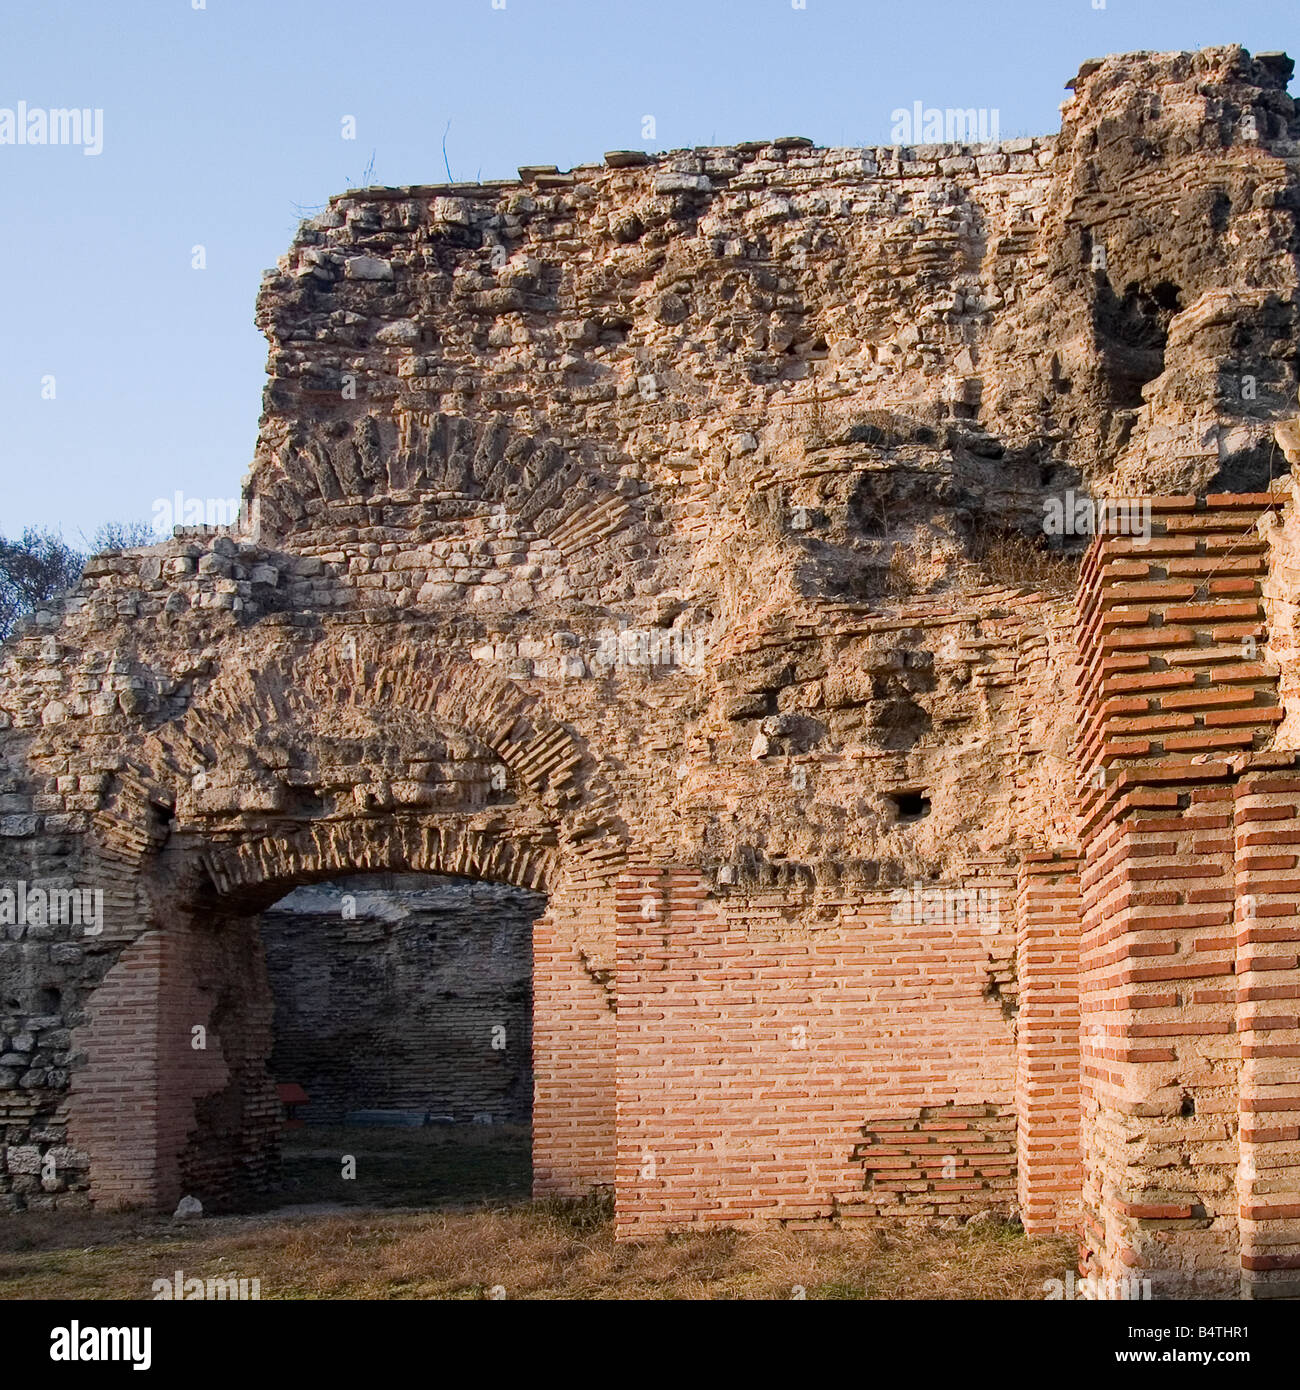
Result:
<point x="779" y="412"/>
<point x="388" y="994"/>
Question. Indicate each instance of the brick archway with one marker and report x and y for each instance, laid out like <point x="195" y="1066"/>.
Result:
<point x="174" y="1095"/>
<point x="260" y="870"/>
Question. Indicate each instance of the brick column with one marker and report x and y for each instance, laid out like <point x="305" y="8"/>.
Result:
<point x="573" y="1040"/>
<point x="1047" y="1042"/>
<point x="132" y="1104"/>
<point x="671" y="1124"/>
<point x="1171" y="690"/>
<point x="1158" y="1050"/>
<point x="113" y="1111"/>
<point x="1267" y="834"/>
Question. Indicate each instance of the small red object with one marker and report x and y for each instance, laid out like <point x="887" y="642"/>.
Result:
<point x="291" y="1096"/>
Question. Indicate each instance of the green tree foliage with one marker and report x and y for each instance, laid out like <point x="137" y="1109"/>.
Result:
<point x="37" y="566"/>
<point x="40" y="565"/>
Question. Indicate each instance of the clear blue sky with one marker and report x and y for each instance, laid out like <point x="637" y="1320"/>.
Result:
<point x="221" y="123"/>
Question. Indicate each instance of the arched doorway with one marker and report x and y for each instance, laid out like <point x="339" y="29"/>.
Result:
<point x="358" y="764"/>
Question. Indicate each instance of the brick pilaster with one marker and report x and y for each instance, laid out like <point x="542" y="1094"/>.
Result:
<point x="573" y="1040"/>
<point x="1267" y="837"/>
<point x="1172" y="688"/>
<point x="1047" y="1042"/>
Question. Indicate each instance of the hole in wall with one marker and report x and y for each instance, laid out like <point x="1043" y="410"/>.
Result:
<point x="912" y="805"/>
<point x="1131" y="332"/>
<point x="1188" y="1107"/>
<point x="1167" y="297"/>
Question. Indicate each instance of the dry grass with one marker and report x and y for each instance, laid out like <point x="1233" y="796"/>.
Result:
<point x="537" y="1251"/>
<point x="902" y="578"/>
<point x="530" y="1250"/>
<point x="1019" y="561"/>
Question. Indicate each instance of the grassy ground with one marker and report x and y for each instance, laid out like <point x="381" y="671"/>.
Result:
<point x="475" y="1235"/>
<point x="463" y="1165"/>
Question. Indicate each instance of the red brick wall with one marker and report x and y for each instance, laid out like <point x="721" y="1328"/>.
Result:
<point x="132" y="1104"/>
<point x="950" y="1160"/>
<point x="1266" y="826"/>
<point x="755" y="1064"/>
<point x="573" y="1040"/>
<point x="1047" y="1042"/>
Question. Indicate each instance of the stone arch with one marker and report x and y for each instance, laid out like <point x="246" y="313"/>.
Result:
<point x="207" y="864"/>
<point x="254" y="870"/>
<point x="437" y="469"/>
<point x="403" y="691"/>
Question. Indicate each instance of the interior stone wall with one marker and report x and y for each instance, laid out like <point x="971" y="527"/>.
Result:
<point x="403" y="993"/>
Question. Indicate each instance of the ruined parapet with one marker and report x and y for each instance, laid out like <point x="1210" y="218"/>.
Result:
<point x="1155" y="333"/>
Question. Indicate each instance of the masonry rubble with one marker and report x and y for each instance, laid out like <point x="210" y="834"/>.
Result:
<point x="801" y="408"/>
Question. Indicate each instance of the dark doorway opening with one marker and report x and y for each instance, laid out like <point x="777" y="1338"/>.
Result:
<point x="403" y="1040"/>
